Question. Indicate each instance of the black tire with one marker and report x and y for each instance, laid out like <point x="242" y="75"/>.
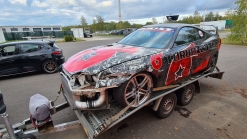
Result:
<point x="28" y="136"/>
<point x="137" y="88"/>
<point x="167" y="105"/>
<point x="213" y="61"/>
<point x="49" y="66"/>
<point x="185" y="95"/>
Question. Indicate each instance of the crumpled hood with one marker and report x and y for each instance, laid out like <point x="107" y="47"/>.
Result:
<point x="97" y="59"/>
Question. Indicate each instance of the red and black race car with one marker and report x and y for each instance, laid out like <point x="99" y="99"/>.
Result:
<point x="152" y="56"/>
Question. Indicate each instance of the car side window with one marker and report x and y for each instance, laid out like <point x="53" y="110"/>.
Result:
<point x="8" y="50"/>
<point x="187" y="35"/>
<point x="27" y="48"/>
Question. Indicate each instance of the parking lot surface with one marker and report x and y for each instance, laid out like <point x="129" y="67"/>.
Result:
<point x="219" y="111"/>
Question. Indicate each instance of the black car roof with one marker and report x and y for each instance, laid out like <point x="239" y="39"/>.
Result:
<point x="25" y="42"/>
<point x="172" y="25"/>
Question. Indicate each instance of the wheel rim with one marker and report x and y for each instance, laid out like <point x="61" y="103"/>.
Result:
<point x="50" y="66"/>
<point x="138" y="89"/>
<point x="188" y="95"/>
<point x="168" y="105"/>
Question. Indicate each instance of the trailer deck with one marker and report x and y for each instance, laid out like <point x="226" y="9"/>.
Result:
<point x="98" y="121"/>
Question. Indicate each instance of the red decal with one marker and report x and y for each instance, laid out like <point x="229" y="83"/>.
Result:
<point x="202" y="66"/>
<point x="88" y="58"/>
<point x="218" y="47"/>
<point x="178" y="69"/>
<point x="156" y="61"/>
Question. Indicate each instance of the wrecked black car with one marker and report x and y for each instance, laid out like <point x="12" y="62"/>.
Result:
<point x="150" y="57"/>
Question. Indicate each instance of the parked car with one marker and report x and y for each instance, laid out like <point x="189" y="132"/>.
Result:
<point x="120" y="32"/>
<point x="87" y="34"/>
<point x="151" y="57"/>
<point x="127" y="31"/>
<point x="29" y="56"/>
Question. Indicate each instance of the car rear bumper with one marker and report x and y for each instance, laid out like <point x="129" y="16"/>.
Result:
<point x="60" y="60"/>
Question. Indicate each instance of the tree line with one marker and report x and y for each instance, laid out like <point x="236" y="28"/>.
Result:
<point x="99" y="24"/>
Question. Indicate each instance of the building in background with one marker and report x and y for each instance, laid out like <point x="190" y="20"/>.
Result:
<point x="2" y="38"/>
<point x="77" y="32"/>
<point x="30" y="28"/>
<point x="12" y="33"/>
<point x="221" y="24"/>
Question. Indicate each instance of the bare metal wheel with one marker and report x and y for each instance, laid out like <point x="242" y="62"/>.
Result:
<point x="185" y="95"/>
<point x="167" y="105"/>
<point x="49" y="66"/>
<point x="137" y="89"/>
<point x="188" y="94"/>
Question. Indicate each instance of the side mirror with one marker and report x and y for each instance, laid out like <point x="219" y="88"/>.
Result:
<point x="2" y="105"/>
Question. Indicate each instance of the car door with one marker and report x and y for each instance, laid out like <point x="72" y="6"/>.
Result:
<point x="8" y="60"/>
<point x="180" y="55"/>
<point x="30" y="57"/>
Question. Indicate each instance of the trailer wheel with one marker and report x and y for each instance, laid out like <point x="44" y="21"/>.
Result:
<point x="167" y="105"/>
<point x="186" y="94"/>
<point x="28" y="136"/>
<point x="137" y="89"/>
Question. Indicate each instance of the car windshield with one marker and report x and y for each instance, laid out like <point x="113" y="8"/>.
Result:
<point x="149" y="37"/>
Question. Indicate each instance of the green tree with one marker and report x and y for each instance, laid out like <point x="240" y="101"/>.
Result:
<point x="197" y="18"/>
<point x="239" y="18"/>
<point x="217" y="17"/>
<point x="100" y="23"/>
<point x="137" y="25"/>
<point x="83" y="21"/>
<point x="93" y="26"/>
<point x="228" y="14"/>
<point x="149" y="23"/>
<point x="209" y="16"/>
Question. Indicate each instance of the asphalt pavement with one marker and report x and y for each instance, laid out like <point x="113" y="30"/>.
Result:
<point x="218" y="112"/>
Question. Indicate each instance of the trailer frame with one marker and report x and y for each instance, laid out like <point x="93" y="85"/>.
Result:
<point x="95" y="122"/>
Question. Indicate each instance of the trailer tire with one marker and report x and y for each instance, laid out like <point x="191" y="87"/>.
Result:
<point x="28" y="136"/>
<point x="167" y="105"/>
<point x="186" y="94"/>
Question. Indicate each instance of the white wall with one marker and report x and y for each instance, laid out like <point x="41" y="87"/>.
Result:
<point x="2" y="38"/>
<point x="77" y="32"/>
<point x="221" y="24"/>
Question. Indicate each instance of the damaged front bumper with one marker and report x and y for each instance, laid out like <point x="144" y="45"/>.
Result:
<point x="87" y="96"/>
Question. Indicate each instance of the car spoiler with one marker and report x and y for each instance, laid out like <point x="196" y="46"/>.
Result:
<point x="51" y="42"/>
<point x="209" y="28"/>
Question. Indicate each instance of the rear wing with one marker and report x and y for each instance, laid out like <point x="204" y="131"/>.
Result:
<point x="209" y="28"/>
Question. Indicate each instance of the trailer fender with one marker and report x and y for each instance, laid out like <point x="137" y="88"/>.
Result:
<point x="197" y="86"/>
<point x="157" y="103"/>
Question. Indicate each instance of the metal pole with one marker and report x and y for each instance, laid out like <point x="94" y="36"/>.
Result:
<point x="8" y="126"/>
<point x="119" y="10"/>
<point x="204" y="15"/>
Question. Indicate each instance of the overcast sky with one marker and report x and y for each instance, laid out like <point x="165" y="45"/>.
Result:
<point x="68" y="12"/>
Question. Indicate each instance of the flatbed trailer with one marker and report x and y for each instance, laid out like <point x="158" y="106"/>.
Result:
<point x="95" y="122"/>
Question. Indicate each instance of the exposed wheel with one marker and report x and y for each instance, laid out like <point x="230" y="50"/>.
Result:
<point x="28" y="136"/>
<point x="186" y="94"/>
<point x="137" y="89"/>
<point x="49" y="66"/>
<point x="213" y="62"/>
<point x="167" y="105"/>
